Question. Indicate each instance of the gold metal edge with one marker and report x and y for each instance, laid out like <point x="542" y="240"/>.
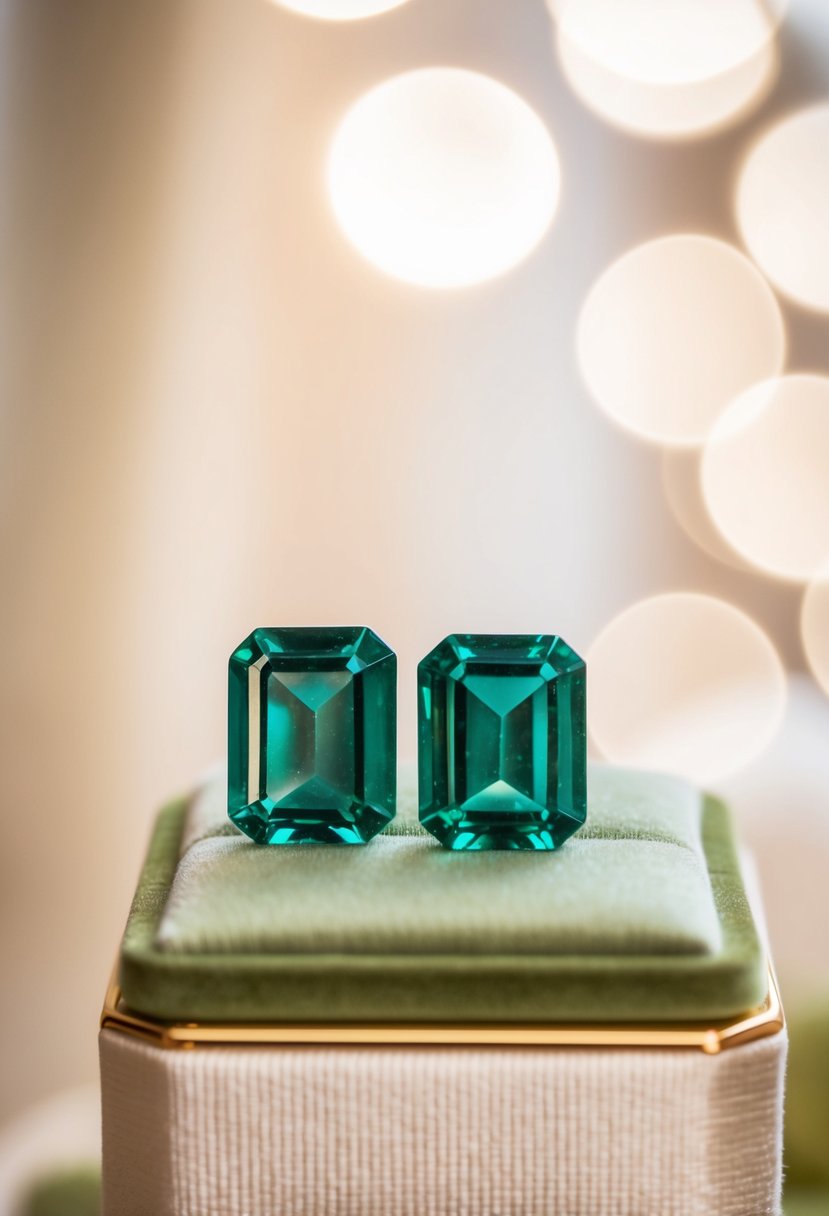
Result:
<point x="769" y="1019"/>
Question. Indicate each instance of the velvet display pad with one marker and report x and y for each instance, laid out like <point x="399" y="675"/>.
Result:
<point x="642" y="916"/>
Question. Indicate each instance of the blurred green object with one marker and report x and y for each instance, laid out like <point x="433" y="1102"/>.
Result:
<point x="806" y="1203"/>
<point x="807" y="1099"/>
<point x="74" y="1191"/>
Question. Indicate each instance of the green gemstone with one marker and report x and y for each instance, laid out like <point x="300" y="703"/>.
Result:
<point x="312" y="720"/>
<point x="503" y="742"/>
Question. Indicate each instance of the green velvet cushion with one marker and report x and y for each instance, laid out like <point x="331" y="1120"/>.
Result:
<point x="641" y="916"/>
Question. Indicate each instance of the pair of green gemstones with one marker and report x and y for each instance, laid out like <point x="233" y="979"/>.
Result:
<point x="312" y="739"/>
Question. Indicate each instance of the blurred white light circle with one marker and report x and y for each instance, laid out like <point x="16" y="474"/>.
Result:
<point x="671" y="332"/>
<point x="814" y="628"/>
<point x="673" y="111"/>
<point x="669" y="42"/>
<point x="684" y="683"/>
<point x="682" y="484"/>
<point x="443" y="177"/>
<point x="783" y="202"/>
<point x="765" y="475"/>
<point x="340" y="10"/>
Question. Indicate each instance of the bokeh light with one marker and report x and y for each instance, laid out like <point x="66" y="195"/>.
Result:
<point x="340" y="10"/>
<point x="814" y="627"/>
<point x="673" y="331"/>
<point x="764" y="475"/>
<point x="673" y="111"/>
<point x="782" y="204"/>
<point x="669" y="42"/>
<point x="443" y="177"/>
<point x="682" y="485"/>
<point x="684" y="683"/>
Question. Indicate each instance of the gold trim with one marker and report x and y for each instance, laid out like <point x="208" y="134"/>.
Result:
<point x="767" y="1020"/>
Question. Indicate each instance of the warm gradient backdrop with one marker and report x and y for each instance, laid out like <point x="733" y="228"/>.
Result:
<point x="215" y="414"/>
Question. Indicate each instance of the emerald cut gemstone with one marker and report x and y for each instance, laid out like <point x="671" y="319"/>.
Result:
<point x="312" y="720"/>
<point x="503" y="742"/>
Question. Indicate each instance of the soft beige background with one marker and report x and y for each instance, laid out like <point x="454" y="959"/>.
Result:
<point x="214" y="414"/>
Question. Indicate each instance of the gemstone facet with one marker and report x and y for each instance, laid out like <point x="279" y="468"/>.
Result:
<point x="312" y="721"/>
<point x="502" y="741"/>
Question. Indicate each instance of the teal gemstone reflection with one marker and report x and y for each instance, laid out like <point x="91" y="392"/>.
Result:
<point x="311" y="735"/>
<point x="502" y="741"/>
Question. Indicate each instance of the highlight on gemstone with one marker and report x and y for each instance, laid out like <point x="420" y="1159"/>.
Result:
<point x="502" y="741"/>
<point x="312" y="721"/>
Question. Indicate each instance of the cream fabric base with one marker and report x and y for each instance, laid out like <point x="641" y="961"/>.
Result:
<point x="441" y="1131"/>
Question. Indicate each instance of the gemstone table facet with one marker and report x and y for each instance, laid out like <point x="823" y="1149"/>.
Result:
<point x="502" y="742"/>
<point x="312" y="720"/>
